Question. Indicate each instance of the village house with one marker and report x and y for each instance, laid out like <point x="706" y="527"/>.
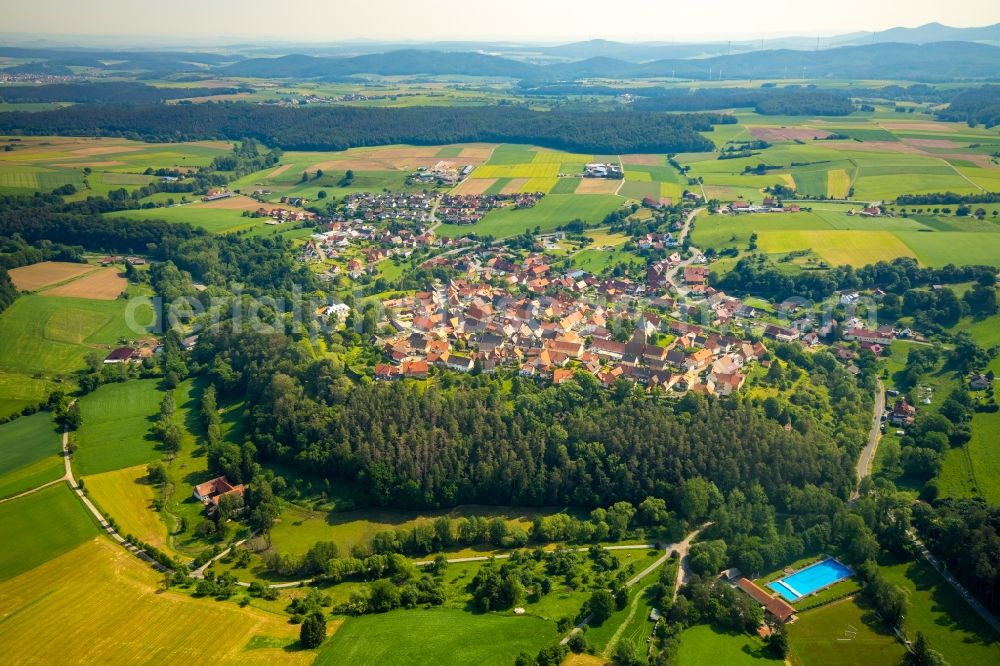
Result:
<point x="210" y="492"/>
<point x="903" y="413"/>
<point x="120" y="355"/>
<point x="979" y="382"/>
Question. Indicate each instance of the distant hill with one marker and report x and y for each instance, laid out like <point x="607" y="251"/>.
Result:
<point x="925" y="34"/>
<point x="932" y="62"/>
<point x="403" y="63"/>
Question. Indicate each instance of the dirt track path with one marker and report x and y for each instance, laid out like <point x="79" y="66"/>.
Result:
<point x="681" y="548"/>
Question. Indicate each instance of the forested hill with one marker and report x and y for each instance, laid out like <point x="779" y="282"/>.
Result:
<point x="339" y="128"/>
<point x="928" y="62"/>
<point x="109" y="92"/>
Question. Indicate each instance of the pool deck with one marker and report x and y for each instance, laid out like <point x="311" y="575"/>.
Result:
<point x="800" y="596"/>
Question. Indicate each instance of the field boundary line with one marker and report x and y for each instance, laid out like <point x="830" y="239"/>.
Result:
<point x="33" y="490"/>
<point x="966" y="178"/>
<point x="93" y="270"/>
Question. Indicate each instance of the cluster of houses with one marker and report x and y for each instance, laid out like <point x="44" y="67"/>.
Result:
<point x="363" y="245"/>
<point x="768" y="205"/>
<point x="111" y="260"/>
<point x="470" y="208"/>
<point x="484" y="321"/>
<point x="442" y="172"/>
<point x="869" y="211"/>
<point x="602" y="170"/>
<point x="385" y="206"/>
<point x="217" y="195"/>
<point x="280" y="215"/>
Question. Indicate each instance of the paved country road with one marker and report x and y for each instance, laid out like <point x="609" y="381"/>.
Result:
<point x="867" y="457"/>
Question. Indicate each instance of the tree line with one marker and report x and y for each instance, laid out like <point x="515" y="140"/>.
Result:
<point x="791" y="101"/>
<point x="754" y="275"/>
<point x="339" y="128"/>
<point x="8" y="292"/>
<point x="106" y="92"/>
<point x="974" y="106"/>
<point x="938" y="198"/>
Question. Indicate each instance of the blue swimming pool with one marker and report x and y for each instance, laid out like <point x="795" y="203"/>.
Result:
<point x="814" y="577"/>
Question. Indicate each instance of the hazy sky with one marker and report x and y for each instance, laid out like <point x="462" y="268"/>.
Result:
<point x="523" y="20"/>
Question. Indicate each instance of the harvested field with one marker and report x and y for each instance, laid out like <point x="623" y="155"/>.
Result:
<point x="280" y="170"/>
<point x="474" y="186"/>
<point x="598" y="186"/>
<point x="982" y="161"/>
<point x="917" y="127"/>
<point x="398" y="159"/>
<point x="77" y="165"/>
<point x="787" y="133"/>
<point x="232" y="203"/>
<point x="37" y="276"/>
<point x="515" y="186"/>
<point x="102" y="285"/>
<point x="875" y="147"/>
<point x="476" y="154"/>
<point x="720" y="192"/>
<point x="644" y="160"/>
<point x="838" y="183"/>
<point x="932" y="143"/>
<point x="106" y="150"/>
<point x="97" y="603"/>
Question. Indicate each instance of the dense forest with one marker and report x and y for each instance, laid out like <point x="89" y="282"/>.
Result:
<point x="339" y="128"/>
<point x="753" y="275"/>
<point x="111" y="92"/>
<point x="792" y="101"/>
<point x="978" y="105"/>
<point x="570" y="444"/>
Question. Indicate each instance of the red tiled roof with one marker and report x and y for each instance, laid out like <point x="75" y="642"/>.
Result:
<point x="774" y="605"/>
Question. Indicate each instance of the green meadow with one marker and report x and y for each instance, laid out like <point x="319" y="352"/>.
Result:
<point x="116" y="427"/>
<point x="30" y="449"/>
<point x="215" y="220"/>
<point x="951" y="627"/>
<point x="702" y="644"/>
<point x="842" y="633"/>
<point x="53" y="335"/>
<point x="435" y="636"/>
<point x="38" y="527"/>
<point x="552" y="211"/>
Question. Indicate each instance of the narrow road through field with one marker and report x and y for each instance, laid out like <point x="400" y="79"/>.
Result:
<point x="504" y="556"/>
<point x="981" y="610"/>
<point x="864" y="467"/>
<point x="101" y="520"/>
<point x="33" y="490"/>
